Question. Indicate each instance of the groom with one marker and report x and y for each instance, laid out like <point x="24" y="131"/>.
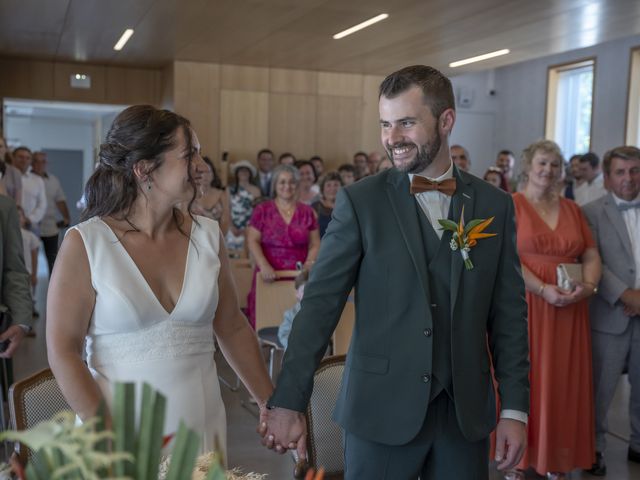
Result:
<point x="417" y="397"/>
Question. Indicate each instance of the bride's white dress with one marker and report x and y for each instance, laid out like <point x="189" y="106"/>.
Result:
<point x="132" y="338"/>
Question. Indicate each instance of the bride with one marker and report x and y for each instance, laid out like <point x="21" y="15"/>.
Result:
<point x="146" y="287"/>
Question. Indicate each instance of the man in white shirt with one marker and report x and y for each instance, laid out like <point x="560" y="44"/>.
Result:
<point x="34" y="199"/>
<point x="615" y="310"/>
<point x="592" y="186"/>
<point x="56" y="208"/>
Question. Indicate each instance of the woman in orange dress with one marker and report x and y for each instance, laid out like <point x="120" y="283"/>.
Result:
<point x="552" y="230"/>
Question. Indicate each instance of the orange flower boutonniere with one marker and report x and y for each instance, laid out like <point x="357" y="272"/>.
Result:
<point x="466" y="236"/>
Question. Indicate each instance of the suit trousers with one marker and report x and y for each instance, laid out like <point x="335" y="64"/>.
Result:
<point x="438" y="451"/>
<point x="50" y="250"/>
<point x="610" y="355"/>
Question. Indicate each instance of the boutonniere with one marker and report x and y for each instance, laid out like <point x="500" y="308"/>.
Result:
<point x="466" y="236"/>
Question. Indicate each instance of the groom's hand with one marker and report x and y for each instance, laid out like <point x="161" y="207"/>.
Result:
<point x="511" y="442"/>
<point x="282" y="429"/>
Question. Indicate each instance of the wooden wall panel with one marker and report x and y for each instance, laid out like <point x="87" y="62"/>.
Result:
<point x="292" y="124"/>
<point x="236" y="77"/>
<point x="244" y="124"/>
<point x="129" y="86"/>
<point x="197" y="97"/>
<point x="341" y="84"/>
<point x="338" y="129"/>
<point x="370" y="140"/>
<point x="62" y="90"/>
<point x="293" y="81"/>
<point x="26" y="79"/>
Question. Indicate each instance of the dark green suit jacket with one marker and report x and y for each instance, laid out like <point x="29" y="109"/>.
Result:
<point x="374" y="243"/>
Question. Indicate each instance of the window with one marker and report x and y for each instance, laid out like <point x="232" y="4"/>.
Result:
<point x="632" y="136"/>
<point x="569" y="106"/>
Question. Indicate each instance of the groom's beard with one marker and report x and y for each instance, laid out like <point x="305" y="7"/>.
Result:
<point x="425" y="154"/>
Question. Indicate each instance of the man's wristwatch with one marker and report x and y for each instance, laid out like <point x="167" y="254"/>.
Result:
<point x="25" y="328"/>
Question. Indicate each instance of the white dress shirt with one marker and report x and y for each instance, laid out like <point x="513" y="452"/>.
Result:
<point x="34" y="199"/>
<point x="435" y="206"/>
<point x="587" y="192"/>
<point x="631" y="219"/>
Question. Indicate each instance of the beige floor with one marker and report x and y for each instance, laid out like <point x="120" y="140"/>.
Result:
<point x="243" y="443"/>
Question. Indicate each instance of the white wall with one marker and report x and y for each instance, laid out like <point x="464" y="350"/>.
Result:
<point x="54" y="133"/>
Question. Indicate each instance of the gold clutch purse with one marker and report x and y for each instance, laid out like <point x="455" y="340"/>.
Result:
<point x="569" y="274"/>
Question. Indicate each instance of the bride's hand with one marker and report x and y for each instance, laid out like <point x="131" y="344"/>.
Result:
<point x="268" y="274"/>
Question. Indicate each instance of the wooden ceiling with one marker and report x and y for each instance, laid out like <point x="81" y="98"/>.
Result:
<point x="298" y="33"/>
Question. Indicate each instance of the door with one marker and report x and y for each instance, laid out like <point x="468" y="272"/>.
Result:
<point x="67" y="165"/>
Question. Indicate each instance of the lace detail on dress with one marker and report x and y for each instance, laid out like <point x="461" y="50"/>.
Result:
<point x="161" y="341"/>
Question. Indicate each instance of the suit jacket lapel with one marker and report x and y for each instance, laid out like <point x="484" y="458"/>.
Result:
<point x="404" y="208"/>
<point x="611" y="210"/>
<point x="463" y="196"/>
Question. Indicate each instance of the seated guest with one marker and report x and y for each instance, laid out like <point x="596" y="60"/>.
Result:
<point x="505" y="162"/>
<point x="329" y="186"/>
<point x="287" y="320"/>
<point x="494" y="176"/>
<point x="460" y="157"/>
<point x="615" y="310"/>
<point x="373" y="160"/>
<point x="361" y="165"/>
<point x="592" y="186"/>
<point x="212" y="200"/>
<point x="347" y="173"/>
<point x="308" y="191"/>
<point x="552" y="230"/>
<point x="10" y="176"/>
<point x="318" y="164"/>
<point x="281" y="232"/>
<point x="286" y="159"/>
<point x="385" y="164"/>
<point x="242" y="195"/>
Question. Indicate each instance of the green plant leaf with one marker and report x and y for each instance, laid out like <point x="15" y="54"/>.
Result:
<point x="448" y="224"/>
<point x="184" y="453"/>
<point x="149" y="443"/>
<point x="123" y="422"/>
<point x="215" y="470"/>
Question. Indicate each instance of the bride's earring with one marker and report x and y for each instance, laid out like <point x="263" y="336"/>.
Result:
<point x="148" y="183"/>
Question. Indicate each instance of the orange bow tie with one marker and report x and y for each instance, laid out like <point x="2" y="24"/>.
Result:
<point x="421" y="184"/>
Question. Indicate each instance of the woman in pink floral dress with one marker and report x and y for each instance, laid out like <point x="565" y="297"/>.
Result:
<point x="281" y="232"/>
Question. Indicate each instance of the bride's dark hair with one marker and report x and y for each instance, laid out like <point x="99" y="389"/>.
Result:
<point x="138" y="133"/>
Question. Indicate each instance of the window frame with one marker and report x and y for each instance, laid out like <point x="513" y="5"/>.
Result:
<point x="632" y="114"/>
<point x="553" y="72"/>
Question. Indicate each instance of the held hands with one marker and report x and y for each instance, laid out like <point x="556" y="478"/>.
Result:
<point x="282" y="429"/>
<point x="511" y="442"/>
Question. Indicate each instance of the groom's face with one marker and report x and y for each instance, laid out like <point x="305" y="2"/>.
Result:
<point x="409" y="131"/>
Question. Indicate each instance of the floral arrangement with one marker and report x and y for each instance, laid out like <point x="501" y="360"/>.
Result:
<point x="63" y="450"/>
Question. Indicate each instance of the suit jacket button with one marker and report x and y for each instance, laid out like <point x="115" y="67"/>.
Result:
<point x="427" y="332"/>
<point x="426" y="378"/>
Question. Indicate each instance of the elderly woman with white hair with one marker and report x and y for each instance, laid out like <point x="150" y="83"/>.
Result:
<point x="282" y="232"/>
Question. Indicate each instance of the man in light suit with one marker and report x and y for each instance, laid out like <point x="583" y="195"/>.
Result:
<point x="615" y="310"/>
<point x="417" y="397"/>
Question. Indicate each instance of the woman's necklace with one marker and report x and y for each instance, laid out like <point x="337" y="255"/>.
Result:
<point x="286" y="211"/>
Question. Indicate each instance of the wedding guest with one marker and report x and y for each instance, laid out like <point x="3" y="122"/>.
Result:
<point x="384" y="165"/>
<point x="329" y="186"/>
<point x="308" y="191"/>
<point x="361" y="165"/>
<point x="10" y="176"/>
<point x="552" y="230"/>
<point x="213" y="199"/>
<point x="347" y="173"/>
<point x="243" y="194"/>
<point x="318" y="164"/>
<point x="34" y="197"/>
<point x="495" y="177"/>
<point x="281" y="232"/>
<point x="286" y="159"/>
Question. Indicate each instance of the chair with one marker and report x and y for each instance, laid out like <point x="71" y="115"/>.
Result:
<point x="33" y="400"/>
<point x="325" y="438"/>
<point x="272" y="300"/>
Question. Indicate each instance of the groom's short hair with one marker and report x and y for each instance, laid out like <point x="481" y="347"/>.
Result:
<point x="436" y="88"/>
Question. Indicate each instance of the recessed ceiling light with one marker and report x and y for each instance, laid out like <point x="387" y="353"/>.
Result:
<point x="123" y="39"/>
<point x="479" y="58"/>
<point x="360" y="26"/>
